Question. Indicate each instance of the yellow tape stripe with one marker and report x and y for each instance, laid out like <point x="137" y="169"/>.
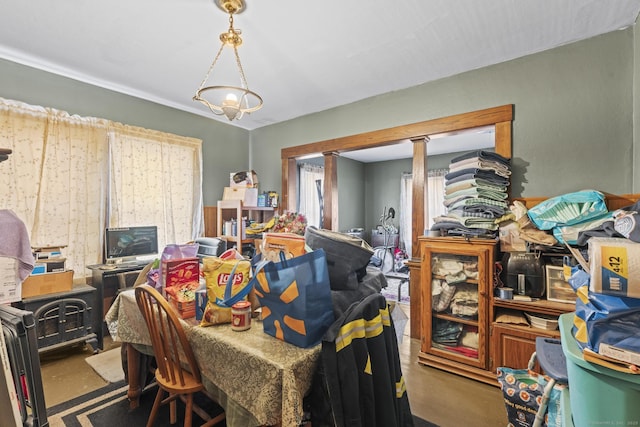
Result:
<point x="359" y="328"/>
<point x="401" y="388"/>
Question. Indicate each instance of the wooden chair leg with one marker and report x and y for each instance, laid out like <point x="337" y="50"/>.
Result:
<point x="188" y="410"/>
<point x="156" y="406"/>
<point x="173" y="416"/>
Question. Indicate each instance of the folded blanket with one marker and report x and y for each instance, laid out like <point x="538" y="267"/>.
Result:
<point x="475" y="192"/>
<point x="498" y="168"/>
<point x="484" y="155"/>
<point x="472" y="173"/>
<point x="470" y="222"/>
<point x="473" y="183"/>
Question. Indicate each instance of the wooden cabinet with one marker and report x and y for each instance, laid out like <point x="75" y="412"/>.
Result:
<point x="456" y="285"/>
<point x="235" y="210"/>
<point x="462" y="335"/>
<point x="512" y="345"/>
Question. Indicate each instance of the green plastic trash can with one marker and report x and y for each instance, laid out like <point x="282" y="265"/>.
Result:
<point x="598" y="396"/>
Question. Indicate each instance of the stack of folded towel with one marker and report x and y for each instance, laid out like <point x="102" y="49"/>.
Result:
<point x="475" y="195"/>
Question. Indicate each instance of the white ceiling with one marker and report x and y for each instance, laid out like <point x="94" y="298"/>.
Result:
<point x="301" y="56"/>
<point x="474" y="139"/>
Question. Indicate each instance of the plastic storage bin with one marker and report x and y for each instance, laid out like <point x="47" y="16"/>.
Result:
<point x="598" y="395"/>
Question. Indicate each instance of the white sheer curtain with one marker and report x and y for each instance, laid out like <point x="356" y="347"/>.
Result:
<point x="310" y="177"/>
<point x="55" y="179"/>
<point x="155" y="179"/>
<point x="406" y="209"/>
<point x="435" y="196"/>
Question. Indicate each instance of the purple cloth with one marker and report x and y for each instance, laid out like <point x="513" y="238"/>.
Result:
<point x="14" y="242"/>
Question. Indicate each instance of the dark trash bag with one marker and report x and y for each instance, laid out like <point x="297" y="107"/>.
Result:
<point x="347" y="256"/>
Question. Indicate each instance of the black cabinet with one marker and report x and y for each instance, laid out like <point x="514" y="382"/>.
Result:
<point x="64" y="318"/>
<point x="107" y="283"/>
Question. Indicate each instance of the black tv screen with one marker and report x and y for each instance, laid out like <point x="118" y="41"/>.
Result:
<point x="130" y="242"/>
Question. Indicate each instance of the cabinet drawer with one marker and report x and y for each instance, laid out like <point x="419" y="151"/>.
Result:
<point x="512" y="346"/>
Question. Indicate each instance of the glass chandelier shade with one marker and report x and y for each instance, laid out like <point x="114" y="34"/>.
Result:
<point x="230" y="101"/>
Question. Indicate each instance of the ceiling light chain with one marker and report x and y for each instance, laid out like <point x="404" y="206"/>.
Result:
<point x="231" y="101"/>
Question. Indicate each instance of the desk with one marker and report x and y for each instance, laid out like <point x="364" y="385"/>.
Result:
<point x="256" y="376"/>
<point x="107" y="283"/>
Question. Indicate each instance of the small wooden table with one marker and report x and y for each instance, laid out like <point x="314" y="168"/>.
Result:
<point x="258" y="379"/>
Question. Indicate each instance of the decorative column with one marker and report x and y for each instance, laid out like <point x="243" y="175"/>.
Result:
<point x="418" y="222"/>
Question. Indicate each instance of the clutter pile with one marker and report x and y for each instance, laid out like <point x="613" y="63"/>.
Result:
<point x="599" y="258"/>
<point x="475" y="195"/>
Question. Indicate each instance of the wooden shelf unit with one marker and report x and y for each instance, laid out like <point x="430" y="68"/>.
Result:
<point x="451" y="250"/>
<point x="499" y="344"/>
<point x="228" y="209"/>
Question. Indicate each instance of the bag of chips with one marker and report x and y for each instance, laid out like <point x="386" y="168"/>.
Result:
<point x="227" y="283"/>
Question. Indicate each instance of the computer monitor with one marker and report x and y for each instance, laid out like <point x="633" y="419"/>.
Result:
<point x="126" y="244"/>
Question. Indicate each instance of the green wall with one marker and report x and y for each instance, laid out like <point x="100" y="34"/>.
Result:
<point x="573" y="122"/>
<point x="351" y="194"/>
<point x="573" y="125"/>
<point x="382" y="182"/>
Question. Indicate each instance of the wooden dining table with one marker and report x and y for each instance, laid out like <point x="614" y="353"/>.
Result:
<point x="259" y="380"/>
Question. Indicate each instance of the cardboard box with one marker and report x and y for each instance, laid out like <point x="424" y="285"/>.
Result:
<point x="49" y="283"/>
<point x="248" y="196"/>
<point x="51" y="265"/>
<point x="621" y="354"/>
<point x="243" y="179"/>
<point x="10" y="287"/>
<point x="180" y="275"/>
<point x="47" y="252"/>
<point x="614" y="265"/>
<point x="185" y="309"/>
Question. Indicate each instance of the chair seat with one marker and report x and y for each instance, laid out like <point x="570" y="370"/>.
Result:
<point x="191" y="385"/>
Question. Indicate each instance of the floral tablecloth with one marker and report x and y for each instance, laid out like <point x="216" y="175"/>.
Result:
<point x="256" y="373"/>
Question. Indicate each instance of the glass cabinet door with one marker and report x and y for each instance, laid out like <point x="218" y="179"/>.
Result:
<point x="454" y="292"/>
<point x="456" y="289"/>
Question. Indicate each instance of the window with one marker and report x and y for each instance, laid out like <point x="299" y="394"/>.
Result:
<point x="69" y="177"/>
<point x="311" y="193"/>
<point x="435" y="201"/>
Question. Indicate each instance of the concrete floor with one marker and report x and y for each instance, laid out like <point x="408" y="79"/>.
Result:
<point x="445" y="399"/>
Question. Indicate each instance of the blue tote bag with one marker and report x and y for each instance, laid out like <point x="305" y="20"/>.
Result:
<point x="604" y="319"/>
<point x="295" y="296"/>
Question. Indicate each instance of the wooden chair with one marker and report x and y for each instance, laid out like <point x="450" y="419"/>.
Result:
<point x="177" y="373"/>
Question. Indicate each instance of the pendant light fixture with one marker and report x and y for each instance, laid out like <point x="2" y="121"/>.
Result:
<point x="231" y="101"/>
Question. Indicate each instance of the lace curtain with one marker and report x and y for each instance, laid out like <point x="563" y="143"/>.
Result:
<point x="311" y="176"/>
<point x="57" y="181"/>
<point x="435" y="199"/>
<point x="405" y="212"/>
<point x="435" y="194"/>
<point x="155" y="179"/>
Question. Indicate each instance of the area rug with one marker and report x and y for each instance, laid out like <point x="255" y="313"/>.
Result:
<point x="108" y="365"/>
<point x="391" y="291"/>
<point x="109" y="406"/>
